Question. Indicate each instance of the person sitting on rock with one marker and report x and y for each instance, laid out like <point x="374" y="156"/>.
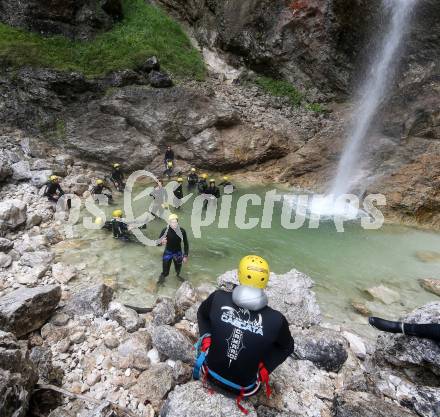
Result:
<point x="242" y="339"/>
<point x="53" y="190"/>
<point x="192" y="179"/>
<point x="425" y="331"/>
<point x="117" y="177"/>
<point x="99" y="188"/>
<point x="202" y="184"/>
<point x="172" y="238"/>
<point x="169" y="156"/>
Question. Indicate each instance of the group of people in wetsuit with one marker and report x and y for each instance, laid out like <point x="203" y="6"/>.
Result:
<point x="242" y="339"/>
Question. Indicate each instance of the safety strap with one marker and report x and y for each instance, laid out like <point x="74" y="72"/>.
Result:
<point x="264" y="378"/>
<point x="238" y="401"/>
<point x="168" y="255"/>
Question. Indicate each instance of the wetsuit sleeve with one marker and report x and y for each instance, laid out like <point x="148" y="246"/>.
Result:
<point x="161" y="235"/>
<point x="185" y="243"/>
<point x="60" y="189"/>
<point x="203" y="319"/>
<point x="46" y="189"/>
<point x="281" y="349"/>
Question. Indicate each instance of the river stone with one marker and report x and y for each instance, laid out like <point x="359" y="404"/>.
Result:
<point x="431" y="285"/>
<point x="12" y="214"/>
<point x="63" y="273"/>
<point x="363" y="404"/>
<point x="93" y="300"/>
<point x="357" y="345"/>
<point x="42" y="359"/>
<point x="325" y="348"/>
<point x="36" y="259"/>
<point x="184" y="298"/>
<point x="133" y="352"/>
<point x="39" y="178"/>
<point x="164" y="312"/>
<point x="5" y="170"/>
<point x="27" y="309"/>
<point x="288" y="293"/>
<point x="18" y="375"/>
<point x="5" y="244"/>
<point x="173" y="344"/>
<point x="412" y="352"/>
<point x="428" y="256"/>
<point x="154" y="384"/>
<point x="125" y="316"/>
<point x="194" y="400"/>
<point x="5" y="260"/>
<point x="384" y="294"/>
<point x="21" y="171"/>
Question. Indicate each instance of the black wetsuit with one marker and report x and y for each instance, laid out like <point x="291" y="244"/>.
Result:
<point x="213" y="190"/>
<point x="120" y="230"/>
<point x="424" y="330"/>
<point x="193" y="179"/>
<point x="98" y="189"/>
<point x="241" y="339"/>
<point x="178" y="195"/>
<point x="202" y="186"/>
<point x="117" y="176"/>
<point x="173" y="250"/>
<point x="51" y="190"/>
<point x="169" y="155"/>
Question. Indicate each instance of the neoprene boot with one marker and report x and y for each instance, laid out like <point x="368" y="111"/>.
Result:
<point x="386" y="325"/>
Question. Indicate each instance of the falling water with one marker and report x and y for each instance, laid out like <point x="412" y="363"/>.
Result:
<point x="372" y="91"/>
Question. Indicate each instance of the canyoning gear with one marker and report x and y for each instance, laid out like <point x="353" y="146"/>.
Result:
<point x="169" y="164"/>
<point x="169" y="155"/>
<point x="118" y="213"/>
<point x="178" y="194"/>
<point x="53" y="190"/>
<point x="253" y="271"/>
<point x="212" y="181"/>
<point x="423" y="330"/>
<point x="202" y="185"/>
<point x="225" y="178"/>
<point x="98" y="189"/>
<point x="54" y="178"/>
<point x="192" y="179"/>
<point x="120" y="229"/>
<point x="212" y="189"/>
<point x="99" y="182"/>
<point x="204" y="176"/>
<point x="116" y="165"/>
<point x="117" y="177"/>
<point x="251" y="298"/>
<point x="173" y="249"/>
<point x="245" y="345"/>
<point x="173" y="216"/>
<point x="193" y="170"/>
<point x="179" y="179"/>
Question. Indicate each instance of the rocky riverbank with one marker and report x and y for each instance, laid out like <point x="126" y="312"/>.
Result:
<point x="109" y="360"/>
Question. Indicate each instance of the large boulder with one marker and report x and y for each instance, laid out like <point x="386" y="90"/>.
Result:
<point x="12" y="214"/>
<point x="21" y="171"/>
<point x="76" y="19"/>
<point x="94" y="300"/>
<point x="17" y="377"/>
<point x="5" y="169"/>
<point x="173" y="344"/>
<point x="288" y="293"/>
<point x="326" y="348"/>
<point x="194" y="400"/>
<point x="27" y="309"/>
<point x="362" y="404"/>
<point x="184" y="297"/>
<point x="406" y="352"/>
<point x="164" y="312"/>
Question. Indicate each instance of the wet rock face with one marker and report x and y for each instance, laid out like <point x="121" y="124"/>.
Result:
<point x="79" y="19"/>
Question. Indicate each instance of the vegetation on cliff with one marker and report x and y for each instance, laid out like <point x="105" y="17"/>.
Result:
<point x="144" y="31"/>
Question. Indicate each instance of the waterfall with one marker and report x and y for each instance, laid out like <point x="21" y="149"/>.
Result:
<point x="372" y="91"/>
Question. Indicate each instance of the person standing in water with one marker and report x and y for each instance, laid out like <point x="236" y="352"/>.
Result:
<point x="117" y="177"/>
<point x="192" y="179"/>
<point x="172" y="238"/>
<point x="242" y="340"/>
<point x="178" y="193"/>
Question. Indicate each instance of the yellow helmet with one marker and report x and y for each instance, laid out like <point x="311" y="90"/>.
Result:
<point x="99" y="182"/>
<point x="173" y="217"/>
<point x="179" y="179"/>
<point x="253" y="271"/>
<point x="165" y="205"/>
<point x="53" y="177"/>
<point x="98" y="220"/>
<point x="212" y="180"/>
<point x="116" y="165"/>
<point x="225" y="178"/>
<point x="117" y="213"/>
<point x="170" y="164"/>
<point x="193" y="170"/>
<point x="205" y="176"/>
